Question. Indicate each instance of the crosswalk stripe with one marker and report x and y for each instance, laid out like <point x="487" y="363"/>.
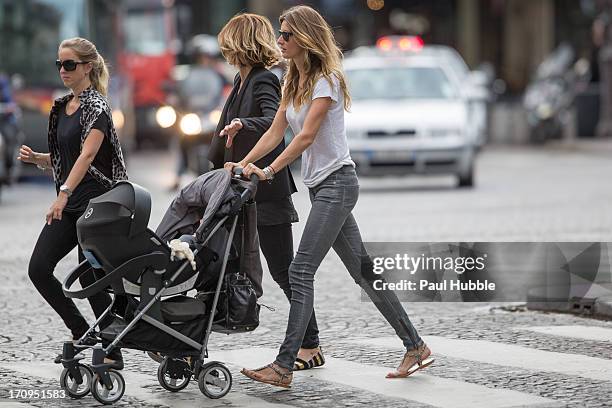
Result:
<point x="14" y="404"/>
<point x="577" y="332"/>
<point x="428" y="389"/>
<point x="143" y="387"/>
<point x="510" y="355"/>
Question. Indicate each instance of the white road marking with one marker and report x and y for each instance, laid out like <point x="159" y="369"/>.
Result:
<point x="510" y="355"/>
<point x="577" y="332"/>
<point x="428" y="389"/>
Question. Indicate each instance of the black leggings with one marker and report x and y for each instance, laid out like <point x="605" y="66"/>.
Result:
<point x="276" y="242"/>
<point x="54" y="243"/>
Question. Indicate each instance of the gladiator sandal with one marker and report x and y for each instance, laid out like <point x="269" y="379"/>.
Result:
<point x="280" y="379"/>
<point x="419" y="359"/>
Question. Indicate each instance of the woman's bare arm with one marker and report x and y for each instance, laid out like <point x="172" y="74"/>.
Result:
<point x="312" y="123"/>
<point x="270" y="139"/>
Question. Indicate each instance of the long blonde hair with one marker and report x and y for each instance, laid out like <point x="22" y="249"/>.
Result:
<point x="323" y="56"/>
<point x="248" y="39"/>
<point x="87" y="52"/>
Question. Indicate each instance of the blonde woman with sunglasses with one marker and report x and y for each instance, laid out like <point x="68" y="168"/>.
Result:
<point x="315" y="96"/>
<point x="86" y="159"/>
<point x="247" y="42"/>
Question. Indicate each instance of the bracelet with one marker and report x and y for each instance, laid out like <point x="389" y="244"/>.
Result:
<point x="272" y="168"/>
<point x="42" y="167"/>
<point x="268" y="173"/>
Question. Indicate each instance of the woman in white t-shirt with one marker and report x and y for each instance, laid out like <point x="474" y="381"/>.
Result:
<point x="315" y="96"/>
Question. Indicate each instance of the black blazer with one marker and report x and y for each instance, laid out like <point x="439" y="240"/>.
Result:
<point x="255" y="105"/>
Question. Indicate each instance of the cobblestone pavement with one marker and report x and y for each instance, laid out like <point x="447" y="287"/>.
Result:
<point x="522" y="195"/>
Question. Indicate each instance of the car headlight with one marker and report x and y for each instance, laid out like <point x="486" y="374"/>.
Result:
<point x="214" y="116"/>
<point x="544" y="111"/>
<point x="118" y="119"/>
<point x="165" y="116"/>
<point x="444" y="132"/>
<point x="191" y="124"/>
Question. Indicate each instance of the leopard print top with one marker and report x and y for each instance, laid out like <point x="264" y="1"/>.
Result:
<point x="93" y="105"/>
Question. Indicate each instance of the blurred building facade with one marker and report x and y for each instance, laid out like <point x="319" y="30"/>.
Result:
<point x="513" y="35"/>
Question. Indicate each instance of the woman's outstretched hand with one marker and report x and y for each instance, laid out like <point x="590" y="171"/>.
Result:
<point x="230" y="131"/>
<point x="27" y="155"/>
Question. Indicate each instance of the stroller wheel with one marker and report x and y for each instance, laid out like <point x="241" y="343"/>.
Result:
<point x="105" y="395"/>
<point x="70" y="384"/>
<point x="173" y="374"/>
<point x="214" y="380"/>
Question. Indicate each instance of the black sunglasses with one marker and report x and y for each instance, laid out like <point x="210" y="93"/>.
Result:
<point x="69" y="65"/>
<point x="285" y="34"/>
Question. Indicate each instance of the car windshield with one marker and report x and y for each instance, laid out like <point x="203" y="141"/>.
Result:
<point x="400" y="83"/>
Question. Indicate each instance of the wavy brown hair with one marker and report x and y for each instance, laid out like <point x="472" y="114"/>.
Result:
<point x="87" y="52"/>
<point x="323" y="56"/>
<point x="248" y="39"/>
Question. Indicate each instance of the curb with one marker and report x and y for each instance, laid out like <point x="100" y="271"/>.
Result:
<point x="596" y="146"/>
<point x="556" y="299"/>
<point x="603" y="306"/>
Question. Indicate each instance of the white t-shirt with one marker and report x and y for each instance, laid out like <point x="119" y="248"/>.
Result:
<point x="329" y="151"/>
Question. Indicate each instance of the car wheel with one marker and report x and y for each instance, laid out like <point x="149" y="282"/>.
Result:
<point x="466" y="180"/>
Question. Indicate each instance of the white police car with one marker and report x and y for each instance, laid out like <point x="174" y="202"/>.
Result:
<point x="413" y="110"/>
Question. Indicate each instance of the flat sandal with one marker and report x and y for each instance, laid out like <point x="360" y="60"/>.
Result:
<point x="284" y="379"/>
<point x="419" y="365"/>
<point x="316" y="361"/>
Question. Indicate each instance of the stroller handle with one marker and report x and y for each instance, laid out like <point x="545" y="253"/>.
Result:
<point x="250" y="188"/>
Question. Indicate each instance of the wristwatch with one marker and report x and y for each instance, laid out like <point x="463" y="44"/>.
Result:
<point x="65" y="189"/>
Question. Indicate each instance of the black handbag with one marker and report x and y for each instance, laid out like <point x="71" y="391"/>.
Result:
<point x="237" y="309"/>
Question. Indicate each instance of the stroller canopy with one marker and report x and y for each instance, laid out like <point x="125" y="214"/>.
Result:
<point x="204" y="198"/>
<point x="127" y="208"/>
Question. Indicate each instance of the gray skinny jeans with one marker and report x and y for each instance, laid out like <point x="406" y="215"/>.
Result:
<point x="331" y="224"/>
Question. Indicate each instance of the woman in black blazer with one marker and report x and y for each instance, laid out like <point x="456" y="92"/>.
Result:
<point x="248" y="42"/>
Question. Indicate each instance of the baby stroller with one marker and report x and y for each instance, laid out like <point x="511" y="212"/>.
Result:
<point x="134" y="263"/>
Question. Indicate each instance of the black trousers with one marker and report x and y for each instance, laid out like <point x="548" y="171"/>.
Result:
<point x="276" y="242"/>
<point x="54" y="243"/>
